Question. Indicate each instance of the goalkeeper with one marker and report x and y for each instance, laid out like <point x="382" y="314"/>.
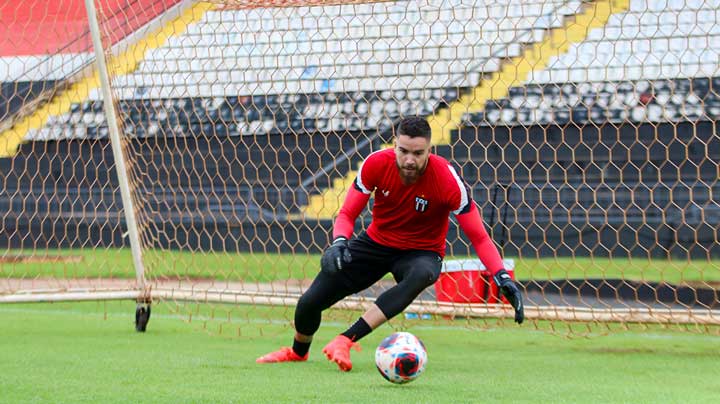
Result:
<point x="415" y="192"/>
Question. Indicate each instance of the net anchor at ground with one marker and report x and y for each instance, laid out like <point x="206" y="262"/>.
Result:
<point x="142" y="316"/>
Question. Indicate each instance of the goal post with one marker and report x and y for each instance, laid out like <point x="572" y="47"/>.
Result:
<point x="194" y="154"/>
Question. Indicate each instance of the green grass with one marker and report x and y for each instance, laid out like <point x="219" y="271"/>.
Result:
<point x="265" y="267"/>
<point x="260" y="267"/>
<point x="89" y="352"/>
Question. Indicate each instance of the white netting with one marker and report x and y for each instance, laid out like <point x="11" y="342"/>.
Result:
<point x="586" y="130"/>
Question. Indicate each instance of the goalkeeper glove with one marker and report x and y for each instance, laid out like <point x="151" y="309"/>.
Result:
<point x="509" y="289"/>
<point x="335" y="255"/>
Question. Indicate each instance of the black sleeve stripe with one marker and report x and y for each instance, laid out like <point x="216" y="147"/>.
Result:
<point x="468" y="205"/>
<point x="356" y="186"/>
<point x="464" y="192"/>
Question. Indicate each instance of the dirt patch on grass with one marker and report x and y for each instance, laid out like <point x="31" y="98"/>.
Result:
<point x="622" y="351"/>
<point x="40" y="259"/>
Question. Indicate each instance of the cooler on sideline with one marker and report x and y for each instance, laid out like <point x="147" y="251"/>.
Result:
<point x="467" y="281"/>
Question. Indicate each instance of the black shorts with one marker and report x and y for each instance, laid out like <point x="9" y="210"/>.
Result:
<point x="371" y="261"/>
<point x="413" y="270"/>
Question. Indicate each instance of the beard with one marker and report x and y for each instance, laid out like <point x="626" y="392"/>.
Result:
<point x="409" y="174"/>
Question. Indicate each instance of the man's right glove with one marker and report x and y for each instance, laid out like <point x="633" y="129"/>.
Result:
<point x="509" y="289"/>
<point x="335" y="256"/>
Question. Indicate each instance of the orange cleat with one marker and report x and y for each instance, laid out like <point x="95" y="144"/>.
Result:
<point x="338" y="351"/>
<point x="285" y="354"/>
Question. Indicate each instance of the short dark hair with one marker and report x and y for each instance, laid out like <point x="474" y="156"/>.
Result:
<point x="415" y="126"/>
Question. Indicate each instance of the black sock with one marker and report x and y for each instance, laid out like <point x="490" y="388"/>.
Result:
<point x="301" y="348"/>
<point x="358" y="330"/>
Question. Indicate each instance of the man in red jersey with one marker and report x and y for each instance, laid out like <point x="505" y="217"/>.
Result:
<point x="415" y="192"/>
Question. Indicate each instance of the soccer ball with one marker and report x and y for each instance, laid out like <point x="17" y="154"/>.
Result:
<point x="401" y="357"/>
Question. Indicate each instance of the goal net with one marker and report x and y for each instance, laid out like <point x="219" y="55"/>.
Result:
<point x="205" y="172"/>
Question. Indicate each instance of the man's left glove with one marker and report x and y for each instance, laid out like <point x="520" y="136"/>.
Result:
<point x="509" y="289"/>
<point x="335" y="256"/>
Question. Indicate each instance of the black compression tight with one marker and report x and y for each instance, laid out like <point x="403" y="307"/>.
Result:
<point x="394" y="300"/>
<point x="413" y="271"/>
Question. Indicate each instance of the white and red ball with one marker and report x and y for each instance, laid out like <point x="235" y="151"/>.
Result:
<point x="401" y="357"/>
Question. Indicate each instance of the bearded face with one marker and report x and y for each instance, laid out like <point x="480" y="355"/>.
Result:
<point x="411" y="157"/>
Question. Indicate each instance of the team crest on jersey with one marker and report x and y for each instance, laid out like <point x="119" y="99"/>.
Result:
<point x="421" y="204"/>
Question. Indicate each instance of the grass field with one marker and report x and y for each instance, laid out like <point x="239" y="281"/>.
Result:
<point x="89" y="352"/>
<point x="261" y="267"/>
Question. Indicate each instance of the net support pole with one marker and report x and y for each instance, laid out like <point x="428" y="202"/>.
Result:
<point x="120" y="167"/>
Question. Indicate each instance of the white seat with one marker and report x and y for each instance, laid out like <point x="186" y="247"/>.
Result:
<point x="268" y="50"/>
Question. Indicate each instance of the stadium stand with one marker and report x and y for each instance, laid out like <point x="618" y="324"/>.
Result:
<point x="38" y="54"/>
<point x="579" y="149"/>
<point x="255" y="80"/>
<point x="190" y="86"/>
<point x="277" y="61"/>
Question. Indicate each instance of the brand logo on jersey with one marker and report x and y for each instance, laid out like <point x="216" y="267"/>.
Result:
<point x="421" y="204"/>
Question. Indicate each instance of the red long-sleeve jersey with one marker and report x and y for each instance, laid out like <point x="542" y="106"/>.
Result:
<point x="415" y="216"/>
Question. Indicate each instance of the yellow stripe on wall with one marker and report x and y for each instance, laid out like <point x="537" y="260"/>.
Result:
<point x="497" y="85"/>
<point x="516" y="71"/>
<point x="126" y="62"/>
